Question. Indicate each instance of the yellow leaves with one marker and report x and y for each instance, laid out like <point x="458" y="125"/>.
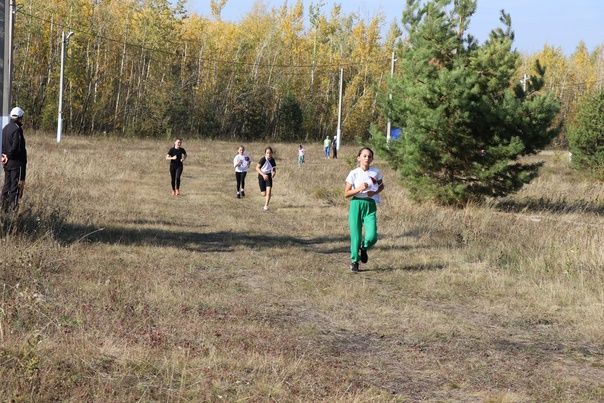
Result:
<point x="583" y="68"/>
<point x="194" y="28"/>
<point x="216" y="7"/>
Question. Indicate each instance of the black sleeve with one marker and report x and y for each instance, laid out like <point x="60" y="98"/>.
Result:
<point x="273" y="163"/>
<point x="171" y="152"/>
<point x="262" y="161"/>
<point x="12" y="143"/>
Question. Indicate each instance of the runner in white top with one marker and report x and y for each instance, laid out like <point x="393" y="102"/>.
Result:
<point x="241" y="162"/>
<point x="300" y="155"/>
<point x="364" y="185"/>
<point x="372" y="177"/>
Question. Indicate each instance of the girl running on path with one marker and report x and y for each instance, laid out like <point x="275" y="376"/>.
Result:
<point x="176" y="155"/>
<point x="267" y="169"/>
<point x="364" y="185"/>
<point x="300" y="155"/>
<point x="241" y="162"/>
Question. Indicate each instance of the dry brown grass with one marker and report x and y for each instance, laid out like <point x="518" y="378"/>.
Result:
<point x="111" y="290"/>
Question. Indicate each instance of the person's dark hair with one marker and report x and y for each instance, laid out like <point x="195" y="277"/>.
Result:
<point x="268" y="148"/>
<point x="365" y="148"/>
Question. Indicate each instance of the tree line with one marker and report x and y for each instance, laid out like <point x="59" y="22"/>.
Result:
<point x="151" y="68"/>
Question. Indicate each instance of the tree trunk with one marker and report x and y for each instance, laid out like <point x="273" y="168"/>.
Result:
<point x="119" y="86"/>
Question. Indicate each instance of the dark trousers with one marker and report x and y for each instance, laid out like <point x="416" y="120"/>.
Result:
<point x="10" y="190"/>
<point x="240" y="176"/>
<point x="175" y="172"/>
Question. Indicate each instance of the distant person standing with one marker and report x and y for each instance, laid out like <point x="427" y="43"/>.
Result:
<point x="326" y="146"/>
<point x="364" y="185"/>
<point x="14" y="160"/>
<point x="334" y="148"/>
<point x="176" y="155"/>
<point x="301" y="155"/>
<point x="267" y="169"/>
<point x="241" y="162"/>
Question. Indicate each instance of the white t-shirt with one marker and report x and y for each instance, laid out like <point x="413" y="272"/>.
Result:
<point x="373" y="177"/>
<point x="245" y="162"/>
<point x="267" y="166"/>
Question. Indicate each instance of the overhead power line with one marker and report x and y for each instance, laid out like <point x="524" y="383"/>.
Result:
<point x="251" y="65"/>
<point x="85" y="32"/>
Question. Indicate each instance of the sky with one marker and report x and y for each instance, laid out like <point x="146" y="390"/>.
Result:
<point x="558" y="23"/>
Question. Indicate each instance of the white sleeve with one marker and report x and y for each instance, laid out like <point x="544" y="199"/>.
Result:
<point x="350" y="178"/>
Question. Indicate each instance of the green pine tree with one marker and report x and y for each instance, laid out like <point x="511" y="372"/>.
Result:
<point x="466" y="120"/>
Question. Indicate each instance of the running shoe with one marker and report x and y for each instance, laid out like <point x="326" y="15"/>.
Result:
<point x="354" y="267"/>
<point x="364" y="255"/>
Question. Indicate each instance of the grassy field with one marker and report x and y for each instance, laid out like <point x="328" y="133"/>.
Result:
<point x="112" y="290"/>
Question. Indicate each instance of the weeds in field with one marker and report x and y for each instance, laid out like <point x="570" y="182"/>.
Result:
<point x="111" y="289"/>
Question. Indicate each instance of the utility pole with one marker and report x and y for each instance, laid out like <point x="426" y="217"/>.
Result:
<point x="339" y="131"/>
<point x="7" y="11"/>
<point x="389" y="125"/>
<point x="64" y="40"/>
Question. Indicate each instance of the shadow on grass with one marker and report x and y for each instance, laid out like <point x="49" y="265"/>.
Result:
<point x="221" y="241"/>
<point x="141" y="221"/>
<point x="341" y="249"/>
<point x="419" y="267"/>
<point x="545" y="205"/>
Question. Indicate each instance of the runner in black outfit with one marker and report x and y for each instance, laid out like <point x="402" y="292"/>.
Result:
<point x="267" y="169"/>
<point x="176" y="155"/>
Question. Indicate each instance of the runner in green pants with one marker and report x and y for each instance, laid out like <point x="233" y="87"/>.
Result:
<point x="364" y="185"/>
<point x="363" y="212"/>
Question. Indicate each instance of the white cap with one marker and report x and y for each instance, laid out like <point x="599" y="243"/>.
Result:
<point x="16" y="112"/>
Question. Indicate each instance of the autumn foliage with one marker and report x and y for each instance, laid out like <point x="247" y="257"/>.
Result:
<point x="151" y="68"/>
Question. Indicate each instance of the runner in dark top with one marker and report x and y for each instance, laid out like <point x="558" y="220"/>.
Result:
<point x="267" y="169"/>
<point x="176" y="155"/>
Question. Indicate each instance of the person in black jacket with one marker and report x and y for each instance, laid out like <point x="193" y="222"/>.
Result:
<point x="14" y="160"/>
<point x="334" y="148"/>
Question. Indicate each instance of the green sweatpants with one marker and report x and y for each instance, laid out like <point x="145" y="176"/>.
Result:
<point x="362" y="212"/>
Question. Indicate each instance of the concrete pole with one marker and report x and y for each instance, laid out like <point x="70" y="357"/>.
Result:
<point x="7" y="10"/>
<point x="64" y="39"/>
<point x="389" y="125"/>
<point x="339" y="132"/>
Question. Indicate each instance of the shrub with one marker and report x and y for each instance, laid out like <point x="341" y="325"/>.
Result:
<point x="586" y="135"/>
